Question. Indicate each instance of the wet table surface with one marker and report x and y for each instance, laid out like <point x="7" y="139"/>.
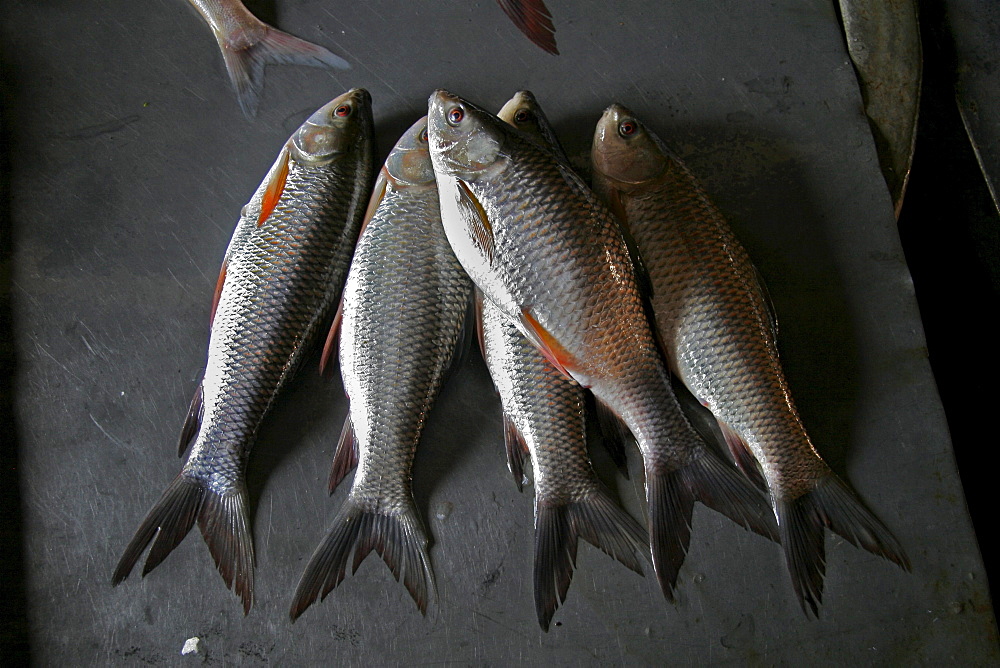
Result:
<point x="130" y="161"/>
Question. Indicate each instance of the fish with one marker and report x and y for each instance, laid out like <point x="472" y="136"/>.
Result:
<point x="533" y="19"/>
<point x="719" y="331"/>
<point x="544" y="250"/>
<point x="404" y="310"/>
<point x="524" y="112"/>
<point x="248" y="44"/>
<point x="280" y="281"/>
<point x="544" y="417"/>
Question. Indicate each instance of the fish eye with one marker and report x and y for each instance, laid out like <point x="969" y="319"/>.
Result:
<point x="627" y="128"/>
<point x="423" y="135"/>
<point x="342" y="110"/>
<point x="455" y="116"/>
<point x="522" y="116"/>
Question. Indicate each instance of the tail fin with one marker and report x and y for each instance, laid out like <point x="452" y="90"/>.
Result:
<point x="224" y="525"/>
<point x="398" y="538"/>
<point x="671" y="495"/>
<point x="801" y="521"/>
<point x="596" y="519"/>
<point x="246" y="65"/>
<point x="533" y="19"/>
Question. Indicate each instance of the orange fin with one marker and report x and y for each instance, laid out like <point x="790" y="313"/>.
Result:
<point x="549" y="346"/>
<point x="330" y="347"/>
<point x="218" y="290"/>
<point x="275" y="186"/>
<point x="482" y="229"/>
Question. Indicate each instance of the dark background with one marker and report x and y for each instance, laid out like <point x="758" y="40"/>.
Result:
<point x="950" y="232"/>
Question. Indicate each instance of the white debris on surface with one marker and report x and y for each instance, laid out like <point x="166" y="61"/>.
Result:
<point x="191" y="646"/>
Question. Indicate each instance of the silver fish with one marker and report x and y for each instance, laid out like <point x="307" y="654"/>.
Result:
<point x="544" y="417"/>
<point x="541" y="246"/>
<point x="404" y="307"/>
<point x="720" y="336"/>
<point x="281" y="277"/>
<point x="248" y="44"/>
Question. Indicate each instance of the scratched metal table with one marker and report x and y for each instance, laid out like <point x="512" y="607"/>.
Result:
<point x="130" y="162"/>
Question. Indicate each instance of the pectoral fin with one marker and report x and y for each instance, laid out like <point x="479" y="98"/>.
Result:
<point x="218" y="291"/>
<point x="275" y="186"/>
<point x="479" y="223"/>
<point x="549" y="346"/>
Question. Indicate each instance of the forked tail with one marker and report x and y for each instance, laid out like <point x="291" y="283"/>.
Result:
<point x="398" y="537"/>
<point x="801" y="522"/>
<point x="246" y="65"/>
<point x="222" y="518"/>
<point x="598" y="520"/>
<point x="671" y="495"/>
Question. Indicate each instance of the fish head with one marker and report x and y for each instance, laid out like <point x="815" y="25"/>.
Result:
<point x="334" y="129"/>
<point x="466" y="141"/>
<point x="522" y="111"/>
<point x="409" y="163"/>
<point x="624" y="151"/>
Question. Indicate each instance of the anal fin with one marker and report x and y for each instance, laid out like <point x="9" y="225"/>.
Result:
<point x="345" y="459"/>
<point x="192" y="423"/>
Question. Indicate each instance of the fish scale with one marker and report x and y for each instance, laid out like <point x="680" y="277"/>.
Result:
<point x="281" y="276"/>
<point x="404" y="309"/>
<point x="540" y="245"/>
<point x="720" y="336"/>
<point x="290" y="293"/>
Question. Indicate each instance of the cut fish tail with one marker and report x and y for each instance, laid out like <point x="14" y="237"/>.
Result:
<point x="558" y="526"/>
<point x="222" y="518"/>
<point x="397" y="536"/>
<point x="671" y="495"/>
<point x="801" y="523"/>
<point x="245" y="64"/>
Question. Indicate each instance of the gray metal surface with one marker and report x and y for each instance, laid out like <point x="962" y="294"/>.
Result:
<point x="130" y="162"/>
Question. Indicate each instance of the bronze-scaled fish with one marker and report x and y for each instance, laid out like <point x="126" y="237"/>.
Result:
<point x="541" y="246"/>
<point x="404" y="309"/>
<point x="280" y="280"/>
<point x="544" y="417"/>
<point x="248" y="44"/>
<point x="720" y="337"/>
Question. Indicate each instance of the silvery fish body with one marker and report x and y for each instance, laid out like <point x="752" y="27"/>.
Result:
<point x="720" y="336"/>
<point x="544" y="414"/>
<point x="404" y="308"/>
<point x="544" y="417"/>
<point x="541" y="246"/>
<point x="281" y="278"/>
<point x="248" y="44"/>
